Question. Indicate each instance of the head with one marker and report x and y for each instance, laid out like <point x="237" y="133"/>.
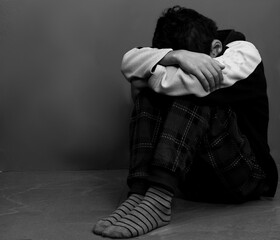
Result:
<point x="182" y="28"/>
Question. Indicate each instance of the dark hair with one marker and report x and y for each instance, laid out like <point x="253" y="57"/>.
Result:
<point x="182" y="28"/>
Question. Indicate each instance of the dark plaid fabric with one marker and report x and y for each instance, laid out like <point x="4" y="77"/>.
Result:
<point x="172" y="133"/>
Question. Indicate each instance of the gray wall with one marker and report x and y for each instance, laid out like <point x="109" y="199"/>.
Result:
<point x="63" y="101"/>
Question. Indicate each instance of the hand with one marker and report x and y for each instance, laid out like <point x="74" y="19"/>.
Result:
<point x="207" y="70"/>
<point x="136" y="86"/>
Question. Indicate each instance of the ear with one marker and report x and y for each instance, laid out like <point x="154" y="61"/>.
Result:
<point x="216" y="48"/>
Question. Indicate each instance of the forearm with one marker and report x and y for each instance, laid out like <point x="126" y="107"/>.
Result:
<point x="240" y="60"/>
<point x="173" y="81"/>
<point x="172" y="58"/>
<point x="139" y="63"/>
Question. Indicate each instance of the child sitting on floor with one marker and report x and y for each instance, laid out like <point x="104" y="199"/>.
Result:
<point x="189" y="129"/>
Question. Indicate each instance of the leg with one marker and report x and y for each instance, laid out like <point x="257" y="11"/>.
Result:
<point x="183" y="126"/>
<point x="145" y="125"/>
<point x="225" y="169"/>
<point x="147" y="118"/>
<point x="204" y="137"/>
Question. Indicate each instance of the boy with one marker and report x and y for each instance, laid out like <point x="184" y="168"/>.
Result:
<point x="192" y="139"/>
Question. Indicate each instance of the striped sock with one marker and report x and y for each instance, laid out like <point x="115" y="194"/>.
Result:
<point x="153" y="212"/>
<point x="120" y="212"/>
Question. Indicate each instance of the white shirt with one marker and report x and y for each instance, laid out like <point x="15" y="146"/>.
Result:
<point x="240" y="60"/>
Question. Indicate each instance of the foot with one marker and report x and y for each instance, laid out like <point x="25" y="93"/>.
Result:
<point x="120" y="212"/>
<point x="153" y="212"/>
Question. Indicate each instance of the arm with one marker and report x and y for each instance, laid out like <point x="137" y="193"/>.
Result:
<point x="141" y="63"/>
<point x="207" y="71"/>
<point x="240" y="60"/>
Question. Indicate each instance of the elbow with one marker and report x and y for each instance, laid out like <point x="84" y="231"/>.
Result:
<point x="124" y="64"/>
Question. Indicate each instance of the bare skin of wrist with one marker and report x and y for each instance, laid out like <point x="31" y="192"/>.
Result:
<point x="171" y="58"/>
<point x="207" y="70"/>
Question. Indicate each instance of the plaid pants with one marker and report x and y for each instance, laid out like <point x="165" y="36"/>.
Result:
<point x="198" y="145"/>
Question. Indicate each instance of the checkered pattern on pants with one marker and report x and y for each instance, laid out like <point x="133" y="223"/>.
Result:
<point x="173" y="132"/>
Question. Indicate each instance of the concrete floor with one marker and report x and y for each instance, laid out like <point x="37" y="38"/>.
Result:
<point x="65" y="205"/>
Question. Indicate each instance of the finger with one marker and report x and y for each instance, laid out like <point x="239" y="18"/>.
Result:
<point x="209" y="78"/>
<point x="217" y="65"/>
<point x="201" y="78"/>
<point x="215" y="74"/>
<point x="221" y="66"/>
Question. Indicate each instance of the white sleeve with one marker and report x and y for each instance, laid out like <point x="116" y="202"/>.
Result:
<point x="173" y="81"/>
<point x="140" y="62"/>
<point x="240" y="60"/>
